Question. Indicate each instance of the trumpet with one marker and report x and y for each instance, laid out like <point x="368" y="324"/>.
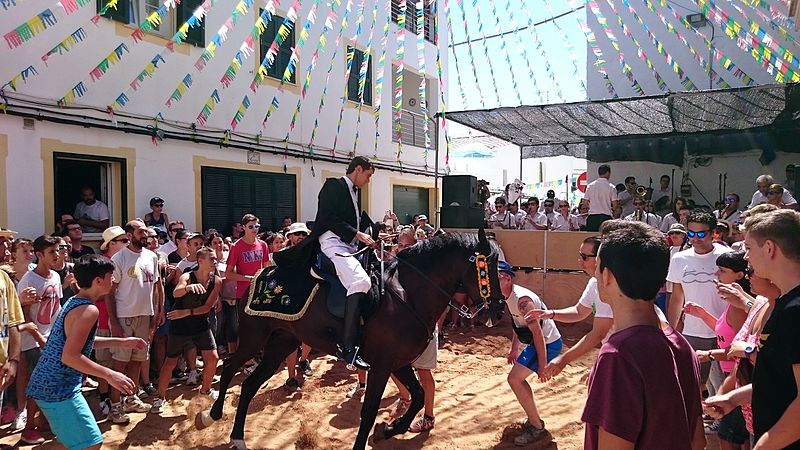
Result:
<point x="641" y="191"/>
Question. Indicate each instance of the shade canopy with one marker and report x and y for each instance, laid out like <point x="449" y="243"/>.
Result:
<point x="655" y="128"/>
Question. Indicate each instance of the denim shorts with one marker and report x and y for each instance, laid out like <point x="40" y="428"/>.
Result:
<point x="72" y="422"/>
<point x="529" y="359"/>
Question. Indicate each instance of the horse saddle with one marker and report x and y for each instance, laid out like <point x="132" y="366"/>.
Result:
<point x="323" y="270"/>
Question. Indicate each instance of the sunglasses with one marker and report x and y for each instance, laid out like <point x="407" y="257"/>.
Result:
<point x="175" y="230"/>
<point x="64" y="247"/>
<point x="731" y="200"/>
<point x="159" y="205"/>
<point x="254" y="226"/>
<point x="584" y="256"/>
<point x="123" y="240"/>
<point x="698" y="234"/>
<point x="563" y="206"/>
<point x="772" y="193"/>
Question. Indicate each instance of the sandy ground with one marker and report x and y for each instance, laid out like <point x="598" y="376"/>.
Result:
<point x="475" y="408"/>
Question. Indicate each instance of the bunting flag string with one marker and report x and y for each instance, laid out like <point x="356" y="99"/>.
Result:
<point x="77" y="91"/>
<point x="244" y="52"/>
<point x="540" y="48"/>
<point x="469" y="49"/>
<point x="6" y="4"/>
<point x="45" y="19"/>
<point x="774" y="65"/>
<point x="597" y="53"/>
<point x="322" y="97"/>
<point x="311" y="19"/>
<point x="440" y="77"/>
<point x="455" y="62"/>
<point x="423" y="95"/>
<point x="380" y="72"/>
<point x="639" y="50"/>
<point x="400" y="55"/>
<point x="150" y="23"/>
<point x="65" y="45"/>
<point x="757" y="5"/>
<point x="568" y="45"/>
<point x="724" y="60"/>
<point x="626" y="69"/>
<point x="348" y="69"/>
<point x="504" y="50"/>
<point x="266" y="64"/>
<point x="485" y="49"/>
<point x="330" y="21"/>
<point x="111" y="59"/>
<point x="522" y="49"/>
<point x="768" y="40"/>
<point x="362" y="71"/>
<point x="23" y="75"/>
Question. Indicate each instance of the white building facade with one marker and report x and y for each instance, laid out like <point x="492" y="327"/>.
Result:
<point x="135" y="112"/>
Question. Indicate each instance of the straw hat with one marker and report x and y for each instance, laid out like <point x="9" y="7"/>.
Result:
<point x="109" y="234"/>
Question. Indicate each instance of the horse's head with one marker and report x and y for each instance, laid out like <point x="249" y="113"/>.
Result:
<point x="483" y="284"/>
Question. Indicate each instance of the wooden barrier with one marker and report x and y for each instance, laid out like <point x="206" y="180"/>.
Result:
<point x="556" y="289"/>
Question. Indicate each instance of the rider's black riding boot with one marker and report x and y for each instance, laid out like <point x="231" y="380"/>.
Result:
<point x="352" y="316"/>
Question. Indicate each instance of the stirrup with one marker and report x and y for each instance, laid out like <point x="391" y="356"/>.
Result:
<point x="351" y="365"/>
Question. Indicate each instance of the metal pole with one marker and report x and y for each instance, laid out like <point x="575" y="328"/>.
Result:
<point x="520" y="163"/>
<point x="436" y="177"/>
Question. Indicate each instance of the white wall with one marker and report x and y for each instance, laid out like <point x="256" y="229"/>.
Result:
<point x="679" y="51"/>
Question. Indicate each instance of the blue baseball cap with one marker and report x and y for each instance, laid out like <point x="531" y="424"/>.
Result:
<point x="503" y="266"/>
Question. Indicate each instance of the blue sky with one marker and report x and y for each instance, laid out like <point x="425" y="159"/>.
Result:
<point x="554" y="52"/>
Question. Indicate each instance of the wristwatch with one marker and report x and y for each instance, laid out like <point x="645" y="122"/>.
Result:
<point x="749" y="305"/>
<point x="749" y="350"/>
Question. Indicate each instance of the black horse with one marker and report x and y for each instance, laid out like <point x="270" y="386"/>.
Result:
<point x="398" y="331"/>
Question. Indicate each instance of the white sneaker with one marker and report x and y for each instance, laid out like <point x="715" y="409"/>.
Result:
<point x="213" y="394"/>
<point x="20" y="420"/>
<point x="105" y="407"/>
<point x="158" y="406"/>
<point x="117" y="414"/>
<point x="193" y="378"/>
<point x="132" y="403"/>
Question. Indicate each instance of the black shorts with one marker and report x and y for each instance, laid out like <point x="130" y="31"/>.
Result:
<point x="32" y="357"/>
<point x="733" y="429"/>
<point x="177" y="344"/>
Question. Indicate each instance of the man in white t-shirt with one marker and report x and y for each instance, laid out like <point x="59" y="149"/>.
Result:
<point x="90" y="213"/>
<point x="763" y="182"/>
<point x="534" y="218"/>
<point x="627" y="196"/>
<point x="136" y="311"/>
<point x="502" y="219"/>
<point x="602" y="196"/>
<point x="693" y="273"/>
<point x="550" y="219"/>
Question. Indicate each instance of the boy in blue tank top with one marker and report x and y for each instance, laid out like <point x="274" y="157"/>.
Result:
<point x="56" y="381"/>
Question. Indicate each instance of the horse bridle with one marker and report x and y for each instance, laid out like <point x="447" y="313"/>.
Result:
<point x="481" y="265"/>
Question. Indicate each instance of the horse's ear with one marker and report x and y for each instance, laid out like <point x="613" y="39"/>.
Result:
<point x="483" y="242"/>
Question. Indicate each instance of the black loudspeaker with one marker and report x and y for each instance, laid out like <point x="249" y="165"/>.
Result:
<point x="461" y="217"/>
<point x="460" y="189"/>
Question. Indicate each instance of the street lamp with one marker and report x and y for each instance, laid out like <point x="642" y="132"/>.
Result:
<point x="700" y="20"/>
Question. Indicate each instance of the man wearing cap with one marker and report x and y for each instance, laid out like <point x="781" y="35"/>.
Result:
<point x="544" y="344"/>
<point x="296" y="232"/>
<point x="339" y="226"/>
<point x="422" y="223"/>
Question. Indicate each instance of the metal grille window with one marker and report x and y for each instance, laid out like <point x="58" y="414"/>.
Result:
<point x="412" y="129"/>
<point x="411" y="16"/>
<point x="284" y="51"/>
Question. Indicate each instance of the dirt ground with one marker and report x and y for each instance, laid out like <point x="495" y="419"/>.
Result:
<point x="475" y="408"/>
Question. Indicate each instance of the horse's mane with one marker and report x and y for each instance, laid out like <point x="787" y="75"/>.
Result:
<point x="426" y="254"/>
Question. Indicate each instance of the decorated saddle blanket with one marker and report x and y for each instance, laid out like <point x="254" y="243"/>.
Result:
<point x="280" y="294"/>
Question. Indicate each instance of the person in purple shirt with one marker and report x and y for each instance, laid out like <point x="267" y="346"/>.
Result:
<point x="644" y="390"/>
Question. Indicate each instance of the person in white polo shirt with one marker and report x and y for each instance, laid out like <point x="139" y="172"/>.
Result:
<point x="602" y="196"/>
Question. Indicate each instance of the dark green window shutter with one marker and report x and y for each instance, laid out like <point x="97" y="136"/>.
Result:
<point x="196" y="35"/>
<point x="352" y="81"/>
<point x="284" y="51"/>
<point x="228" y="194"/>
<point x="121" y="14"/>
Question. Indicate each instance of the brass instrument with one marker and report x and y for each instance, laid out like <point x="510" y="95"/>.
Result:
<point x="638" y="214"/>
<point x="641" y="191"/>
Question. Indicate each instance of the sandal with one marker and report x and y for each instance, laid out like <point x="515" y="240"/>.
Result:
<point x="424" y="423"/>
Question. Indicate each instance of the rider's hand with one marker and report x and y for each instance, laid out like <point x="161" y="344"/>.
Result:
<point x="365" y="239"/>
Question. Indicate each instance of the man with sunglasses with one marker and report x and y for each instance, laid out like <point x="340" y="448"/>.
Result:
<point x="730" y="213"/>
<point x="503" y="218"/>
<point x="692" y="273"/>
<point x="247" y="255"/>
<point x="640" y="215"/>
<point x="170" y="246"/>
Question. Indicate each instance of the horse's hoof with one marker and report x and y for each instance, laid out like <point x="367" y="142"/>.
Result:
<point x="379" y="433"/>
<point x="238" y="444"/>
<point x="203" y="420"/>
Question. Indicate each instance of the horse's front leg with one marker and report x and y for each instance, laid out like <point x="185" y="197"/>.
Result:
<point x="376" y="384"/>
<point x="406" y="376"/>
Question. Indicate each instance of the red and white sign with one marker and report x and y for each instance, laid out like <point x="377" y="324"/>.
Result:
<point x="582" y="182"/>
